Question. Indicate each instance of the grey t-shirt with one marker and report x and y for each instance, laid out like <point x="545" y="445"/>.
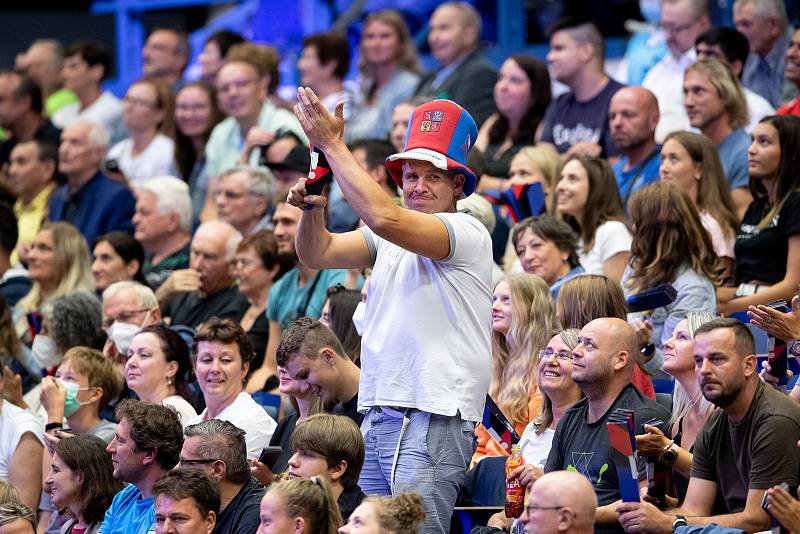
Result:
<point x="584" y="447"/>
<point x="756" y="453"/>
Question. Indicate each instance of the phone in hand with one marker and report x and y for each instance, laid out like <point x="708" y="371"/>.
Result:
<point x="778" y="348"/>
<point x="269" y="455"/>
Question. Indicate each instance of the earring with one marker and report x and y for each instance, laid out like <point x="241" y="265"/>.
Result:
<point x="169" y="381"/>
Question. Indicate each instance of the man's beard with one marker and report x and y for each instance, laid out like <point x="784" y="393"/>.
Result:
<point x="727" y="394"/>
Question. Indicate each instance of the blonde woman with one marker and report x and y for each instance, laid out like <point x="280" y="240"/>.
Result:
<point x="522" y="316"/>
<point x="690" y="409"/>
<point x="58" y="264"/>
<point x="388" y="74"/>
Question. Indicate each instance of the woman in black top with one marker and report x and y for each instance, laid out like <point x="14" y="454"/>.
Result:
<point x="521" y="94"/>
<point x="768" y="243"/>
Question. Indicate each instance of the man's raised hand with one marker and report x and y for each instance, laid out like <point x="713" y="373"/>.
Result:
<point x="321" y="127"/>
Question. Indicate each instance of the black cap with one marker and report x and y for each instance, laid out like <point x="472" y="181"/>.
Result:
<point x="298" y="158"/>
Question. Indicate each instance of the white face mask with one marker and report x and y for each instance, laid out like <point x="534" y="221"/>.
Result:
<point x="359" y="316"/>
<point x="45" y="351"/>
<point x="122" y="336"/>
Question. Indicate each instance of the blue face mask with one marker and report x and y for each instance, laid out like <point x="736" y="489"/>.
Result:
<point x="71" y="403"/>
<point x="651" y="11"/>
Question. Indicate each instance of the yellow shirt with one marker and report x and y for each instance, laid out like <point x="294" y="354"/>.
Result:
<point x="31" y="216"/>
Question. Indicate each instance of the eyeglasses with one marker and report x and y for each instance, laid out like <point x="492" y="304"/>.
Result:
<point x="546" y="354"/>
<point x="133" y="101"/>
<point x="123" y="317"/>
<point x="188" y="461"/>
<point x="193" y="108"/>
<point x="677" y="28"/>
<point x="237" y="84"/>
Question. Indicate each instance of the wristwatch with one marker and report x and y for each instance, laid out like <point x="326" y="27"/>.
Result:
<point x="670" y="455"/>
<point x="680" y="521"/>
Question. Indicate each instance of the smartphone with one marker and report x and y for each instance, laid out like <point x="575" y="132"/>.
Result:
<point x="778" y="348"/>
<point x="270" y="455"/>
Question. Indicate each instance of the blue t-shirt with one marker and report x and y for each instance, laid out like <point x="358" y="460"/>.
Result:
<point x="637" y="176"/>
<point x="733" y="155"/>
<point x="130" y="514"/>
<point x="288" y="302"/>
<point x="568" y="121"/>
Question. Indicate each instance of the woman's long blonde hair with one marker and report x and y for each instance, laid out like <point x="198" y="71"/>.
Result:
<point x="72" y="266"/>
<point x="681" y="403"/>
<point x="515" y="356"/>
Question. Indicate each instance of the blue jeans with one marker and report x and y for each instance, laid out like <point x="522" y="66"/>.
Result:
<point x="411" y="450"/>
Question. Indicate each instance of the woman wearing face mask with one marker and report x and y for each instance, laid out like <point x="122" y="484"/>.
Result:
<point x="157" y="369"/>
<point x="117" y="256"/>
<point x="69" y="321"/>
<point x="81" y="482"/>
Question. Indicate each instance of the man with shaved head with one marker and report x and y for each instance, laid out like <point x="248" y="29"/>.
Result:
<point x="745" y="447"/>
<point x="603" y="363"/>
<point x="560" y="502"/>
<point x="633" y="116"/>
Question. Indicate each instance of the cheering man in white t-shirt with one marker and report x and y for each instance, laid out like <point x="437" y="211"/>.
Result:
<point x="425" y="352"/>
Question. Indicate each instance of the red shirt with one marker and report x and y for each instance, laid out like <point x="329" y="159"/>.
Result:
<point x="790" y="108"/>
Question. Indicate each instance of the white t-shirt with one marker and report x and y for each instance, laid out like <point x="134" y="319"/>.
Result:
<point x="184" y="409"/>
<point x="757" y="106"/>
<point x="611" y="237"/>
<point x="248" y="415"/>
<point x="665" y="81"/>
<point x="106" y="110"/>
<point x="723" y="246"/>
<point x="14" y="423"/>
<point x="156" y="160"/>
<point x="535" y="448"/>
<point x="427" y="332"/>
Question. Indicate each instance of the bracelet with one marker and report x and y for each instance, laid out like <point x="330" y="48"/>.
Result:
<point x="52" y="426"/>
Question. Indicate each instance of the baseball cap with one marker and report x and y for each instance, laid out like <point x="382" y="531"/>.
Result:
<point x="442" y="133"/>
<point x="298" y="159"/>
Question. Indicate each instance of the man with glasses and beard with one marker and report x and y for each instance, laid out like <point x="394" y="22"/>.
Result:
<point x="745" y="447"/>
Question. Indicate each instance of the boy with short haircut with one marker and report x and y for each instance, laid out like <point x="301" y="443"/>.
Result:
<point x="314" y="357"/>
<point x="331" y="446"/>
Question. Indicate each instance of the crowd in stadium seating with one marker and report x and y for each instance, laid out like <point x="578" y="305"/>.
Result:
<point x="195" y="340"/>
